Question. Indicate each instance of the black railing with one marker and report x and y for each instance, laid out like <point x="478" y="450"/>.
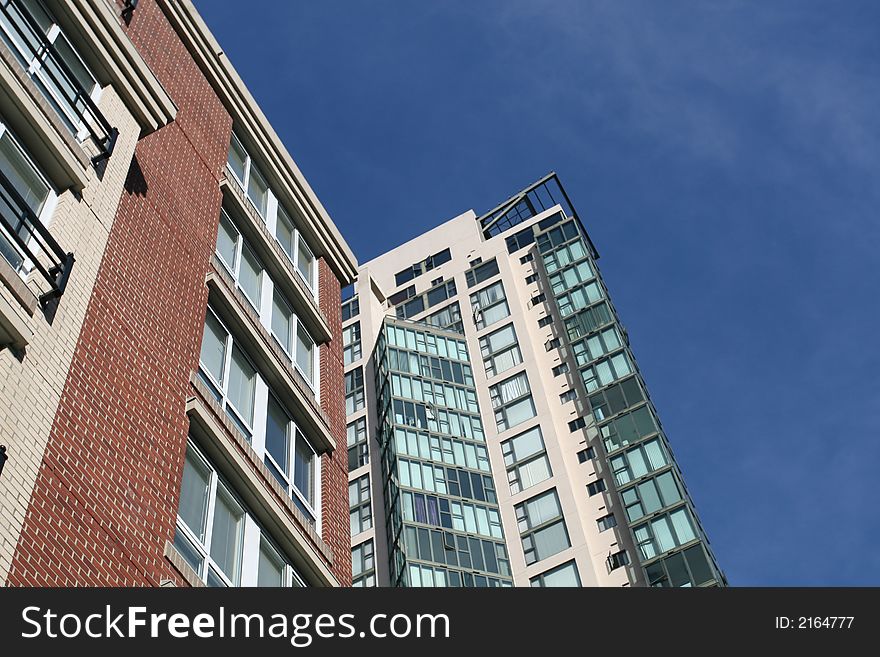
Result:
<point x="23" y="230"/>
<point x="33" y="39"/>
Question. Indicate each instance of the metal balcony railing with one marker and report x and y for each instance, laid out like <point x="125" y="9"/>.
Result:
<point x="20" y="26"/>
<point x="31" y="241"/>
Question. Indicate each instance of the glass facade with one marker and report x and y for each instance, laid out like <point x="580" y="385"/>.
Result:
<point x="442" y="517"/>
<point x="671" y="547"/>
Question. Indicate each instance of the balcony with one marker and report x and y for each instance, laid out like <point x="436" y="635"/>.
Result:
<point x="25" y="242"/>
<point x="50" y="61"/>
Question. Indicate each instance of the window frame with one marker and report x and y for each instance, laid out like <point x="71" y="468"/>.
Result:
<point x="250" y="542"/>
<point x="47" y="210"/>
<point x="264" y="308"/>
<point x="34" y="68"/>
<point x="276" y="213"/>
<point x="527" y="529"/>
<point x="514" y="464"/>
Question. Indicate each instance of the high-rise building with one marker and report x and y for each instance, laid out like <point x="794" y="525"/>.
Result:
<point x="170" y="356"/>
<point x="499" y="430"/>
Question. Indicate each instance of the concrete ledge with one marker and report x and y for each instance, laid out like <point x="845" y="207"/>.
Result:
<point x="37" y="125"/>
<point x="18" y="288"/>
<point x="181" y="566"/>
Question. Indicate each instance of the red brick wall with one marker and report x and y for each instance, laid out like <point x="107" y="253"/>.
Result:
<point x="334" y="471"/>
<point x="106" y="495"/>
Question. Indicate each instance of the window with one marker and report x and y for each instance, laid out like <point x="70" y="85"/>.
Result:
<point x="552" y="344"/>
<point x="606" y="522"/>
<point x="417" y="269"/>
<point x="528" y="257"/>
<point x="293" y="338"/>
<point x="560" y="369"/>
<point x="617" y="560"/>
<point x="30" y="184"/>
<point x="241" y="261"/>
<point x="249" y="177"/>
<point x="440" y="294"/>
<point x="448" y="318"/>
<point x="408" y="274"/>
<point x="541" y="527"/>
<point x="532" y="278"/>
<point x="586" y="454"/>
<point x="258" y="191"/>
<point x="606" y="372"/>
<point x="45" y="69"/>
<point x="650" y="496"/>
<point x="538" y="298"/>
<point x="628" y="428"/>
<point x="290" y="458"/>
<point x="402" y="295"/>
<point x="481" y="272"/>
<point x="358" y="452"/>
<point x="596" y="346"/>
<point x="512" y="401"/>
<point x="362" y="565"/>
<point x="229" y="373"/>
<point x="305" y="263"/>
<point x="351" y="343"/>
<point x="438" y="259"/>
<point x="616" y="398"/>
<point x="579" y="298"/>
<point x="238" y="257"/>
<point x="526" y="460"/>
<point x="688" y="568"/>
<point x="571" y="276"/>
<point x="664" y="533"/>
<point x="588" y="320"/>
<point x="489" y="305"/>
<point x="520" y="240"/>
<point x="561" y="576"/>
<point x="500" y="351"/>
<point x="211" y="529"/>
<point x="354" y="391"/>
<point x="556" y="236"/>
<point x="411" y="308"/>
<point x="639" y="461"/>
<point x="595" y="487"/>
<point x="246" y="398"/>
<point x="579" y="423"/>
<point x="567" y="396"/>
<point x="277" y="219"/>
<point x="359" y="505"/>
<point x="545" y="321"/>
<point x="294" y="245"/>
<point x="350" y="308"/>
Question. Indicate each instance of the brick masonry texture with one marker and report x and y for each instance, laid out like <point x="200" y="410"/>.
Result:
<point x="106" y="495"/>
<point x="31" y="382"/>
<point x="334" y="473"/>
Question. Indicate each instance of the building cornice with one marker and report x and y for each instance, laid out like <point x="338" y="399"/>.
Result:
<point x="254" y="128"/>
<point x="111" y="51"/>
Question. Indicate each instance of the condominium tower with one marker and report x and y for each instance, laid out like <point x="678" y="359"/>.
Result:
<point x="499" y="430"/>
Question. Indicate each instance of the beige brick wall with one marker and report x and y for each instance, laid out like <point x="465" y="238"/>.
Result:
<point x="31" y="382"/>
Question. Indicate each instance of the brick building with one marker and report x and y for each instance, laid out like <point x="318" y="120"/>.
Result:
<point x="171" y="370"/>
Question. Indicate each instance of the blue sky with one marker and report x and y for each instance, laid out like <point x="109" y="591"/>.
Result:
<point x="725" y="158"/>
